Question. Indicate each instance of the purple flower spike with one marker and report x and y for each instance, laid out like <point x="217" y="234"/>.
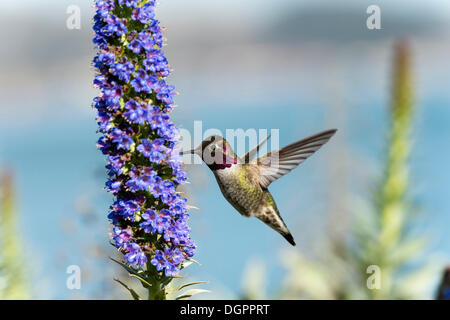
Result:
<point x="149" y="217"/>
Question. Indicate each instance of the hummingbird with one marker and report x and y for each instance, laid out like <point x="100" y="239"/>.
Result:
<point x="244" y="181"/>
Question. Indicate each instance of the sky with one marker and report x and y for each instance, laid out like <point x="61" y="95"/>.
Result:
<point x="237" y="64"/>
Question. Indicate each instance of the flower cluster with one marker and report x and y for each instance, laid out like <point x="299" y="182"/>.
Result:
<point x="138" y="137"/>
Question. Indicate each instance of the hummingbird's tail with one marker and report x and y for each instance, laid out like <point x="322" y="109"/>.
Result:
<point x="289" y="238"/>
<point x="270" y="216"/>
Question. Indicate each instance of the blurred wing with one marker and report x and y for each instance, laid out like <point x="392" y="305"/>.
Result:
<point x="252" y="153"/>
<point x="277" y="163"/>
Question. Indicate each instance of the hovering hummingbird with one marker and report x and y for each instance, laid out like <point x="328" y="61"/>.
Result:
<point x="244" y="181"/>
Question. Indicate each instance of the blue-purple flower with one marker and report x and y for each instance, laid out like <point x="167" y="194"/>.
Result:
<point x="144" y="169"/>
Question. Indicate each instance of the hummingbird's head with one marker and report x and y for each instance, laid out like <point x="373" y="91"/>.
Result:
<point x="216" y="152"/>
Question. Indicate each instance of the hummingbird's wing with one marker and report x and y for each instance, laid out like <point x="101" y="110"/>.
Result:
<point x="276" y="164"/>
<point x="252" y="153"/>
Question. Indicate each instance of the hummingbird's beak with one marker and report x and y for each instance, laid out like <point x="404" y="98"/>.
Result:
<point x="193" y="151"/>
<point x="182" y="153"/>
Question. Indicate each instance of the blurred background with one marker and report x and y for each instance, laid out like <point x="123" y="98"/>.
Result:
<point x="377" y="194"/>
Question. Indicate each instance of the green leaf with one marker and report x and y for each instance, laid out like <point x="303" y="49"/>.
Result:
<point x="188" y="263"/>
<point x="187" y="285"/>
<point x="185" y="265"/>
<point x="195" y="261"/>
<point x="132" y="271"/>
<point x="190" y="284"/>
<point x="125" y="266"/>
<point x="191" y="293"/>
<point x="132" y="292"/>
<point x="144" y="282"/>
<point x="165" y="283"/>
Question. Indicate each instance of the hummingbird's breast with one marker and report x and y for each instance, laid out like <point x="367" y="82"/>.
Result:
<point x="240" y="186"/>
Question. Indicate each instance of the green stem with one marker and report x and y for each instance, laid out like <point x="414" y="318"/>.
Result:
<point x="155" y="292"/>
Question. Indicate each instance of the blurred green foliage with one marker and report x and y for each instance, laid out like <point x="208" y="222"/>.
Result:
<point x="13" y="284"/>
<point x="383" y="239"/>
<point x="378" y="257"/>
